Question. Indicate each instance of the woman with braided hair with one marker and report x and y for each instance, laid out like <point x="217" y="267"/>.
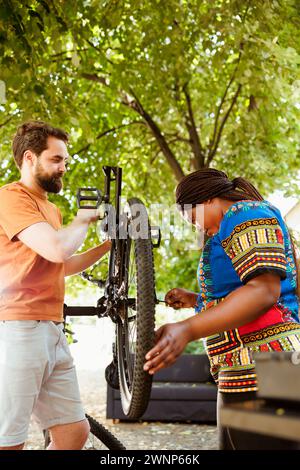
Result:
<point x="247" y="300"/>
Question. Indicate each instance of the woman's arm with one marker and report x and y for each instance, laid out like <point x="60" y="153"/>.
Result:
<point x="240" y="307"/>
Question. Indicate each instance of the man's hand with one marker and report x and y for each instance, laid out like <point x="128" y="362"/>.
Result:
<point x="181" y="298"/>
<point x="87" y="215"/>
<point x="171" y="340"/>
<point x="107" y="245"/>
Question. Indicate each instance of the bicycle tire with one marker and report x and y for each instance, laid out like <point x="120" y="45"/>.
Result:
<point x="104" y="435"/>
<point x="135" y="383"/>
<point x="100" y="432"/>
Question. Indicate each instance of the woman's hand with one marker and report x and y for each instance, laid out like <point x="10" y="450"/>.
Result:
<point x="181" y="298"/>
<point x="171" y="340"/>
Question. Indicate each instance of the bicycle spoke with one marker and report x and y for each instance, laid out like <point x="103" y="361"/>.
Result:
<point x="132" y="334"/>
<point x="129" y="362"/>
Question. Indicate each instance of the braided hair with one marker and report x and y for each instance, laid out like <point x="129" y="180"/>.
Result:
<point x="207" y="183"/>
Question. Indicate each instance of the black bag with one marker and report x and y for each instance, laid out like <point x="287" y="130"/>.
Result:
<point x="112" y="375"/>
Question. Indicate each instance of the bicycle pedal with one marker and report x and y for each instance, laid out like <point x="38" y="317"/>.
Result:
<point x="88" y="194"/>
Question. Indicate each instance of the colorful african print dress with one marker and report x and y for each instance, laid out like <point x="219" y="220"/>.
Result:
<point x="252" y="239"/>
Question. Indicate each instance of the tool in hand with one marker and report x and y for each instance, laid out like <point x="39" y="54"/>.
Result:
<point x="161" y="301"/>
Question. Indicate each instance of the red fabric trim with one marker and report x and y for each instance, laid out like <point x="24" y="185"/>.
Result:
<point x="271" y="317"/>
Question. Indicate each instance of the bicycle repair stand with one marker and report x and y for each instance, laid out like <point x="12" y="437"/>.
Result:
<point x="95" y="198"/>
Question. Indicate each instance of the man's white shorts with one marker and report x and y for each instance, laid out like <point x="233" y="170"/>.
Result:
<point x="37" y="377"/>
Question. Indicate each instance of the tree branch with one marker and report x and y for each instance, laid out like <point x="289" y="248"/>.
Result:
<point x="95" y="78"/>
<point x="163" y="144"/>
<point x="66" y="59"/>
<point x="68" y="52"/>
<point x="193" y="133"/>
<point x="213" y="139"/>
<point x="83" y="149"/>
<point x="178" y="138"/>
<point x="152" y="159"/>
<point x="137" y="106"/>
<point x="214" y="143"/>
<point x="7" y="121"/>
<point x="175" y="139"/>
<point x="175" y="135"/>
<point x="113" y="129"/>
<point x="219" y="134"/>
<point x="109" y="131"/>
<point x="101" y="52"/>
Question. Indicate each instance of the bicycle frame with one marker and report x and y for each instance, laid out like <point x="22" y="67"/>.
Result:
<point x="130" y="272"/>
<point x="109" y="303"/>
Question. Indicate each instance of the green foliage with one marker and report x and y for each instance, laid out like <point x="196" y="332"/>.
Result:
<point x="69" y="334"/>
<point x="160" y="89"/>
<point x="195" y="347"/>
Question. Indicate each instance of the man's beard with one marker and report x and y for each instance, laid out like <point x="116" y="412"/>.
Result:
<point x="51" y="184"/>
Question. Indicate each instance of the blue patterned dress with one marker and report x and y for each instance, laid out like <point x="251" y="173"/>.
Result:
<point x="252" y="239"/>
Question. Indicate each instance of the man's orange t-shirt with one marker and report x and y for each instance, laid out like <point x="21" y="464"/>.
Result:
<point x="31" y="287"/>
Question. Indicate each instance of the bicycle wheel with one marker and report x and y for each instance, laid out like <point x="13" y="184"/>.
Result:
<point x="135" y="328"/>
<point x="99" y="438"/>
